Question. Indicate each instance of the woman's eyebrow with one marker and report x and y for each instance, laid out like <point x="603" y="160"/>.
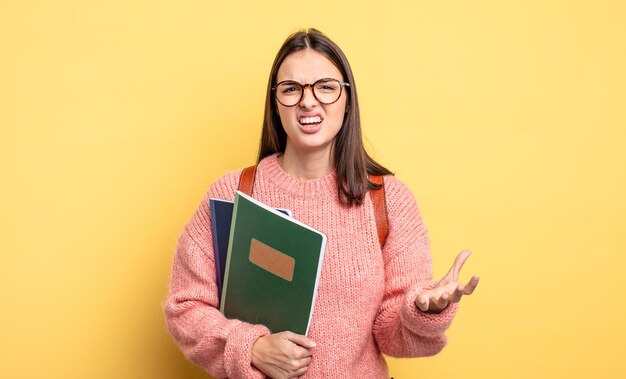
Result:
<point x="316" y="80"/>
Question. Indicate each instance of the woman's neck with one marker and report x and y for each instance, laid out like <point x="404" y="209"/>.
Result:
<point x="307" y="165"/>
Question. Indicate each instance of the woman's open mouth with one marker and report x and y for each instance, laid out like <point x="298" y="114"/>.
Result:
<point x="310" y="124"/>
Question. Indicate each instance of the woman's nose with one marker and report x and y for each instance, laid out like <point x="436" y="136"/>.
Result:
<point x="308" y="98"/>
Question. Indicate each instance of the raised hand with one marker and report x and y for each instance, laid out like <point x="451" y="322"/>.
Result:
<point x="282" y="355"/>
<point x="448" y="290"/>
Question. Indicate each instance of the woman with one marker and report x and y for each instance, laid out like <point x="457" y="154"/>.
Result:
<point x="370" y="300"/>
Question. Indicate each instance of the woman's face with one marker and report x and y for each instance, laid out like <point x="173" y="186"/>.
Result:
<point x="310" y="125"/>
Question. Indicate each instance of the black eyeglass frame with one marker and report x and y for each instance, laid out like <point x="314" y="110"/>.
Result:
<point x="312" y="86"/>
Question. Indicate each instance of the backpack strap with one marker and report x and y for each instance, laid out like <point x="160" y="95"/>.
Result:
<point x="380" y="208"/>
<point x="246" y="185"/>
<point x="246" y="180"/>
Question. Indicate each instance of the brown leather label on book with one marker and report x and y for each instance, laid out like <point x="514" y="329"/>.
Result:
<point x="271" y="260"/>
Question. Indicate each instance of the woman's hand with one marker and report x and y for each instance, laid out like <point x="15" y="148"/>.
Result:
<point x="448" y="290"/>
<point x="282" y="355"/>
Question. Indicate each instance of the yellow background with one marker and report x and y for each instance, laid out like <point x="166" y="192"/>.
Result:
<point x="506" y="119"/>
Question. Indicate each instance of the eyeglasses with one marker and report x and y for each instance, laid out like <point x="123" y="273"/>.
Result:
<point x="326" y="91"/>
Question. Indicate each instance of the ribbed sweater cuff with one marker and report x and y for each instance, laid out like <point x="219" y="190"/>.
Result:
<point x="422" y="323"/>
<point x="238" y="351"/>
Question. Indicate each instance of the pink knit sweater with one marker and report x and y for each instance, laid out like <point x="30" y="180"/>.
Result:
<point x="365" y="302"/>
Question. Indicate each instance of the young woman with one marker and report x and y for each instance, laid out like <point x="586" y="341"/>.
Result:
<point x="370" y="300"/>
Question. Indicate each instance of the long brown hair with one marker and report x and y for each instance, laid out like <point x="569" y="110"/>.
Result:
<point x="352" y="163"/>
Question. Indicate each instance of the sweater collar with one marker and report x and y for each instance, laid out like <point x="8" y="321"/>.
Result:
<point x="271" y="170"/>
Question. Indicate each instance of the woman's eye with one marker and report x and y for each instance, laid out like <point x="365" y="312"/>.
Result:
<point x="326" y="87"/>
<point x="289" y="89"/>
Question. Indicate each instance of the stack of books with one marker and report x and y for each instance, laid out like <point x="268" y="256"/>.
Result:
<point x="267" y="263"/>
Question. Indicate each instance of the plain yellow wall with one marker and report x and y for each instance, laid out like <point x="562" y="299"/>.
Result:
<point x="506" y="119"/>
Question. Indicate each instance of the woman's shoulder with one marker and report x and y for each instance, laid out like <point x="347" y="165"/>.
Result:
<point x="225" y="186"/>
<point x="398" y="196"/>
<point x="396" y="188"/>
<point x="403" y="211"/>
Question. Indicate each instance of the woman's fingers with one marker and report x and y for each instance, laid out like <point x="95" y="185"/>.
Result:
<point x="471" y="285"/>
<point x="296" y="365"/>
<point x="433" y="300"/>
<point x="448" y="290"/>
<point x="301" y="364"/>
<point x="422" y="302"/>
<point x="441" y="301"/>
<point x="298" y="339"/>
<point x="300" y="372"/>
<point x="282" y="355"/>
<point x="464" y="290"/>
<point x="458" y="292"/>
<point x="436" y="299"/>
<point x="455" y="270"/>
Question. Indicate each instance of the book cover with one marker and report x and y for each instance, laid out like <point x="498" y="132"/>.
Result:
<point x="272" y="268"/>
<point x="221" y="216"/>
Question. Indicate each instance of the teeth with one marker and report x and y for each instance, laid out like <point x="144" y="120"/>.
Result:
<point x="311" y="120"/>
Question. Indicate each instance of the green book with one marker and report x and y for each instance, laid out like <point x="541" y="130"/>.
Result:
<point x="272" y="268"/>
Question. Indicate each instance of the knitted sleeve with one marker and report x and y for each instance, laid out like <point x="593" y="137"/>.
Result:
<point x="400" y="328"/>
<point x="220" y="346"/>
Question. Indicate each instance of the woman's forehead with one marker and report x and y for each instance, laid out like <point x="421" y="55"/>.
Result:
<point x="307" y="66"/>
